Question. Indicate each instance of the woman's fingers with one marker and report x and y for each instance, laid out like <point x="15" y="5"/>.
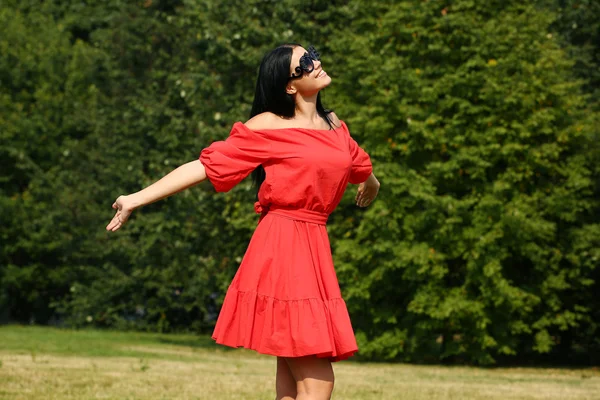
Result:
<point x="121" y="216"/>
<point x="366" y="197"/>
<point x="112" y="224"/>
<point x="115" y="223"/>
<point x="363" y="201"/>
<point x="359" y="193"/>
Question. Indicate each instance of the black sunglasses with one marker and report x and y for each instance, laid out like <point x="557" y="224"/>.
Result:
<point x="306" y="63"/>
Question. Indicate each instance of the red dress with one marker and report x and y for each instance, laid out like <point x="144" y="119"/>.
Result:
<point x="285" y="298"/>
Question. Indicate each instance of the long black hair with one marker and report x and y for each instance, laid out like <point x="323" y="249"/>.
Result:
<point x="271" y="95"/>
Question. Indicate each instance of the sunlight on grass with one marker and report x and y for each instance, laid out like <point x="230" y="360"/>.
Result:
<point x="46" y="363"/>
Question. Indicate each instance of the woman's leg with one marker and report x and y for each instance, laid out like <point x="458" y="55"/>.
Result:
<point x="285" y="384"/>
<point x="314" y="377"/>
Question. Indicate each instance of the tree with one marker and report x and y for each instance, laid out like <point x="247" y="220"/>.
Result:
<point x="484" y="243"/>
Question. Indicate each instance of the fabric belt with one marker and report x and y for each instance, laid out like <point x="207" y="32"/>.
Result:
<point x="298" y="214"/>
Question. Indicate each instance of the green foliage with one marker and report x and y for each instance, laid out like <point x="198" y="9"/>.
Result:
<point x="484" y="242"/>
<point x="480" y="119"/>
<point x="578" y="23"/>
<point x="120" y="94"/>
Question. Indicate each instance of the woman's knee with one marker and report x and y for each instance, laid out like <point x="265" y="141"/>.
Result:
<point x="312" y="390"/>
<point x="285" y="384"/>
<point x="314" y="377"/>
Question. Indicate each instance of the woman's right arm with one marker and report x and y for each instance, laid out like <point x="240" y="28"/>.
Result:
<point x="180" y="178"/>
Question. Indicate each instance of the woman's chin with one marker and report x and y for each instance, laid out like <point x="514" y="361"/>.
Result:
<point x="326" y="81"/>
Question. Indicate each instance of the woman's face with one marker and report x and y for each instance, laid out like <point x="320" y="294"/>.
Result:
<point x="310" y="83"/>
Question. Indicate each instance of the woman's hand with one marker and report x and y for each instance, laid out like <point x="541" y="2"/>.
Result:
<point x="367" y="191"/>
<point x="124" y="206"/>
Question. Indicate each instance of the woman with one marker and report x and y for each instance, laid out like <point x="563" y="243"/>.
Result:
<point x="284" y="299"/>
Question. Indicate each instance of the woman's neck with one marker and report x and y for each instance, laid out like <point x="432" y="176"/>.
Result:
<point x="306" y="108"/>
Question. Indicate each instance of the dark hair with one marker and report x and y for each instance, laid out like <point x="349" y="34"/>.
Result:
<point x="270" y="95"/>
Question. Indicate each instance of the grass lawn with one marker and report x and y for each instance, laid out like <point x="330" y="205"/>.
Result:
<point x="47" y="363"/>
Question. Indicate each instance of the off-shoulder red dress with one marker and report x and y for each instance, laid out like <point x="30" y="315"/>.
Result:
<point x="285" y="298"/>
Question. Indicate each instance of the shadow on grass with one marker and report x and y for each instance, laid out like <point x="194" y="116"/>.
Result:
<point x="200" y="342"/>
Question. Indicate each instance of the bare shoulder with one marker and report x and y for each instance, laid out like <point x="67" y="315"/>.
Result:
<point x="264" y="120"/>
<point x="334" y="119"/>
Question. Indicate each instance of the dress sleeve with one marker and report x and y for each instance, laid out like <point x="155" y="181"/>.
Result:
<point x="361" y="162"/>
<point x="227" y="162"/>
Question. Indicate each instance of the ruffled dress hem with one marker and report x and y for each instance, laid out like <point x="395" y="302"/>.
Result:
<point x="286" y="328"/>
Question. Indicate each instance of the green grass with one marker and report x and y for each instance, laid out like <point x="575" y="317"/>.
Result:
<point x="95" y="343"/>
<point x="47" y="363"/>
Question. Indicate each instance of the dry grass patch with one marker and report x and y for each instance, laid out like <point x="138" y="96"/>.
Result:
<point x="61" y="377"/>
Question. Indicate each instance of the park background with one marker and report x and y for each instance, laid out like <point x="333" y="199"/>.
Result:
<point x="481" y="118"/>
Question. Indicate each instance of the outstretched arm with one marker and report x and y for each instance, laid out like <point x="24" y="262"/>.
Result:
<point x="180" y="178"/>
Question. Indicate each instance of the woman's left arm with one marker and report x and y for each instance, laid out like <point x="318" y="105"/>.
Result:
<point x="367" y="191"/>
